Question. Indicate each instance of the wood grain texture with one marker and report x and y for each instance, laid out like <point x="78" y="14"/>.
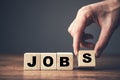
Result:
<point x="11" y="68"/>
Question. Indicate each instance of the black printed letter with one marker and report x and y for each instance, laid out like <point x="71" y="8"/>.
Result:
<point x="64" y="61"/>
<point x="87" y="58"/>
<point x="33" y="62"/>
<point x="45" y="59"/>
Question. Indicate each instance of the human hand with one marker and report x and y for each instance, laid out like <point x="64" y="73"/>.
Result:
<point x="106" y="14"/>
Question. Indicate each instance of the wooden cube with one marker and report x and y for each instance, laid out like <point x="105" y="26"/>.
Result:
<point x="64" y="61"/>
<point x="32" y="61"/>
<point x="86" y="58"/>
<point x="48" y="61"/>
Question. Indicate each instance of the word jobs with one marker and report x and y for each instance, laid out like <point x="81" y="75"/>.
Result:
<point x="57" y="61"/>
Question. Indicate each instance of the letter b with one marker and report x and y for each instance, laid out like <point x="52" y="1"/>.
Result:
<point x="64" y="61"/>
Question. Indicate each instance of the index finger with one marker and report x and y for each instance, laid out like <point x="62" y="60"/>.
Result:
<point x="78" y="33"/>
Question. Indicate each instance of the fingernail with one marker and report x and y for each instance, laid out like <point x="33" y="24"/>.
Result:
<point x="76" y="53"/>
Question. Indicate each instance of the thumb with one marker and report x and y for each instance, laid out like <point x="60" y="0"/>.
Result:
<point x="102" y="41"/>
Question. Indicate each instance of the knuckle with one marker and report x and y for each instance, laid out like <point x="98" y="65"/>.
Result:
<point x="85" y="11"/>
<point x="69" y="30"/>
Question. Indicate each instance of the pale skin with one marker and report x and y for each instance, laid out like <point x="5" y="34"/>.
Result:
<point x="106" y="14"/>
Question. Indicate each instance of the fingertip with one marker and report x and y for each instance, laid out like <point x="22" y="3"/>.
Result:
<point x="76" y="42"/>
<point x="97" y="54"/>
<point x="76" y="52"/>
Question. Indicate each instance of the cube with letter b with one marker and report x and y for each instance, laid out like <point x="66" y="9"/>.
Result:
<point x="64" y="61"/>
<point x="86" y="58"/>
<point x="58" y="61"/>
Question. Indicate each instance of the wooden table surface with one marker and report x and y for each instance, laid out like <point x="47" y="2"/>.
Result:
<point x="108" y="68"/>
